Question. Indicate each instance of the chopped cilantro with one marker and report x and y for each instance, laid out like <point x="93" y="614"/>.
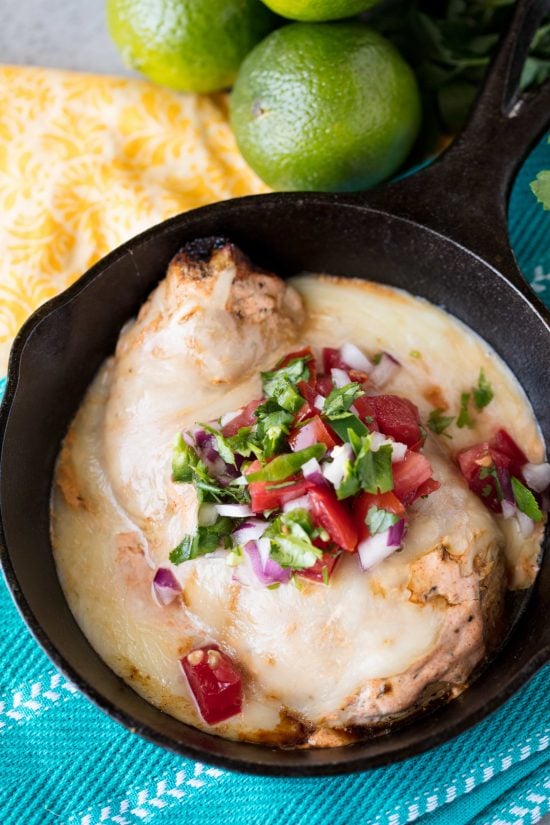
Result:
<point x="280" y="384"/>
<point x="483" y="393"/>
<point x="490" y="472"/>
<point x="349" y="484"/>
<point x="340" y="399"/>
<point x="377" y="358"/>
<point x="486" y="490"/>
<point x="205" y="540"/>
<point x="525" y="500"/>
<point x="287" y="464"/>
<point x="290" y="536"/>
<point x="463" y="418"/>
<point x="379" y="520"/>
<point x="374" y="470"/>
<point x="438" y="423"/>
<point x="188" y="468"/>
<point x="273" y="425"/>
<point x="371" y="470"/>
<point x="325" y="575"/>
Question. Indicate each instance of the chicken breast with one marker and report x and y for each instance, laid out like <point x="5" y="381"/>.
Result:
<point x="318" y="663"/>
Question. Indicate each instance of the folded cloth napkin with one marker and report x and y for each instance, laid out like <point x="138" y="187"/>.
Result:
<point x="86" y="162"/>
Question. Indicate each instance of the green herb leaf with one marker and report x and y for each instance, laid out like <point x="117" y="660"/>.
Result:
<point x="525" y="500"/>
<point x="272" y="428"/>
<point x="483" y="393"/>
<point x="340" y="399"/>
<point x="374" y="469"/>
<point x="188" y="468"/>
<point x="290" y="536"/>
<point x="379" y="520"/>
<point x="204" y="541"/>
<point x="325" y="575"/>
<point x="490" y="472"/>
<point x="463" y="419"/>
<point x="349" y="486"/>
<point x="438" y="423"/>
<point x="287" y="464"/>
<point x="280" y="384"/>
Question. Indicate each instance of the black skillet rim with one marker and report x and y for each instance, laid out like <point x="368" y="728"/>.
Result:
<point x="243" y="765"/>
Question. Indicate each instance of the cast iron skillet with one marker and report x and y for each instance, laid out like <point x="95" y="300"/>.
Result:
<point x="440" y="234"/>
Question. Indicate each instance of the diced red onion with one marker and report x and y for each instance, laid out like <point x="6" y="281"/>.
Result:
<point x="374" y="550"/>
<point x="340" y="377"/>
<point x="537" y="476"/>
<point x="319" y="402"/>
<point x="508" y="509"/>
<point x="506" y="485"/>
<point x="354" y="358"/>
<point x="234" y="510"/>
<point x="398" y="449"/>
<point x="385" y="369"/>
<point x="378" y="547"/>
<point x="249" y="531"/>
<point x="312" y="471"/>
<point x="378" y="440"/>
<point x="334" y="472"/>
<point x="165" y="587"/>
<point x="526" y="524"/>
<point x="301" y="503"/>
<point x="396" y="533"/>
<point x="266" y="574"/>
<point x="229" y="416"/>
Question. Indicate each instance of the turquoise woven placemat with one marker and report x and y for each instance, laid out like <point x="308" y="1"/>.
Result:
<point x="63" y="761"/>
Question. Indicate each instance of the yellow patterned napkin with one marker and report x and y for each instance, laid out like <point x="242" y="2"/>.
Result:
<point x="86" y="162"/>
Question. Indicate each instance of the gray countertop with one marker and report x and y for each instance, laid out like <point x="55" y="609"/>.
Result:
<point x="64" y="34"/>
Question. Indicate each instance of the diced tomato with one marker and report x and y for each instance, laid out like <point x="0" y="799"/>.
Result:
<point x="309" y="394"/>
<point x="429" y="486"/>
<point x="269" y="495"/>
<point x="333" y="360"/>
<point x="215" y="683"/>
<point x="305" y="352"/>
<point x="331" y="514"/>
<point x="245" y="418"/>
<point x="476" y="464"/>
<point x="314" y="431"/>
<point x="365" y="406"/>
<point x="364" y="501"/>
<point x="324" y="385"/>
<point x="315" y="573"/>
<point x="504" y="443"/>
<point x="399" y="418"/>
<point x="409" y="475"/>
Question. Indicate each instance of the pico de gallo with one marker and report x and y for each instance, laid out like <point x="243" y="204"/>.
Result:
<point x="324" y="463"/>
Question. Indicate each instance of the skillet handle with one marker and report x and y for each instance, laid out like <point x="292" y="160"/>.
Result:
<point x="464" y="193"/>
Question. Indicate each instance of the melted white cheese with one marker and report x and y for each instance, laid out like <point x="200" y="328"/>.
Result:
<point x="325" y="655"/>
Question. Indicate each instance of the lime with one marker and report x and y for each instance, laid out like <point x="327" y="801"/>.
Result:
<point x="312" y="11"/>
<point x="328" y="106"/>
<point x="188" y="45"/>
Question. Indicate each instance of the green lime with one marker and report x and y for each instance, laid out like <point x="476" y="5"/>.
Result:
<point x="314" y="11"/>
<point x="325" y="107"/>
<point x="188" y="45"/>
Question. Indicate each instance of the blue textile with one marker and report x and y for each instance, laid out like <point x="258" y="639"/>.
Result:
<point x="63" y="761"/>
